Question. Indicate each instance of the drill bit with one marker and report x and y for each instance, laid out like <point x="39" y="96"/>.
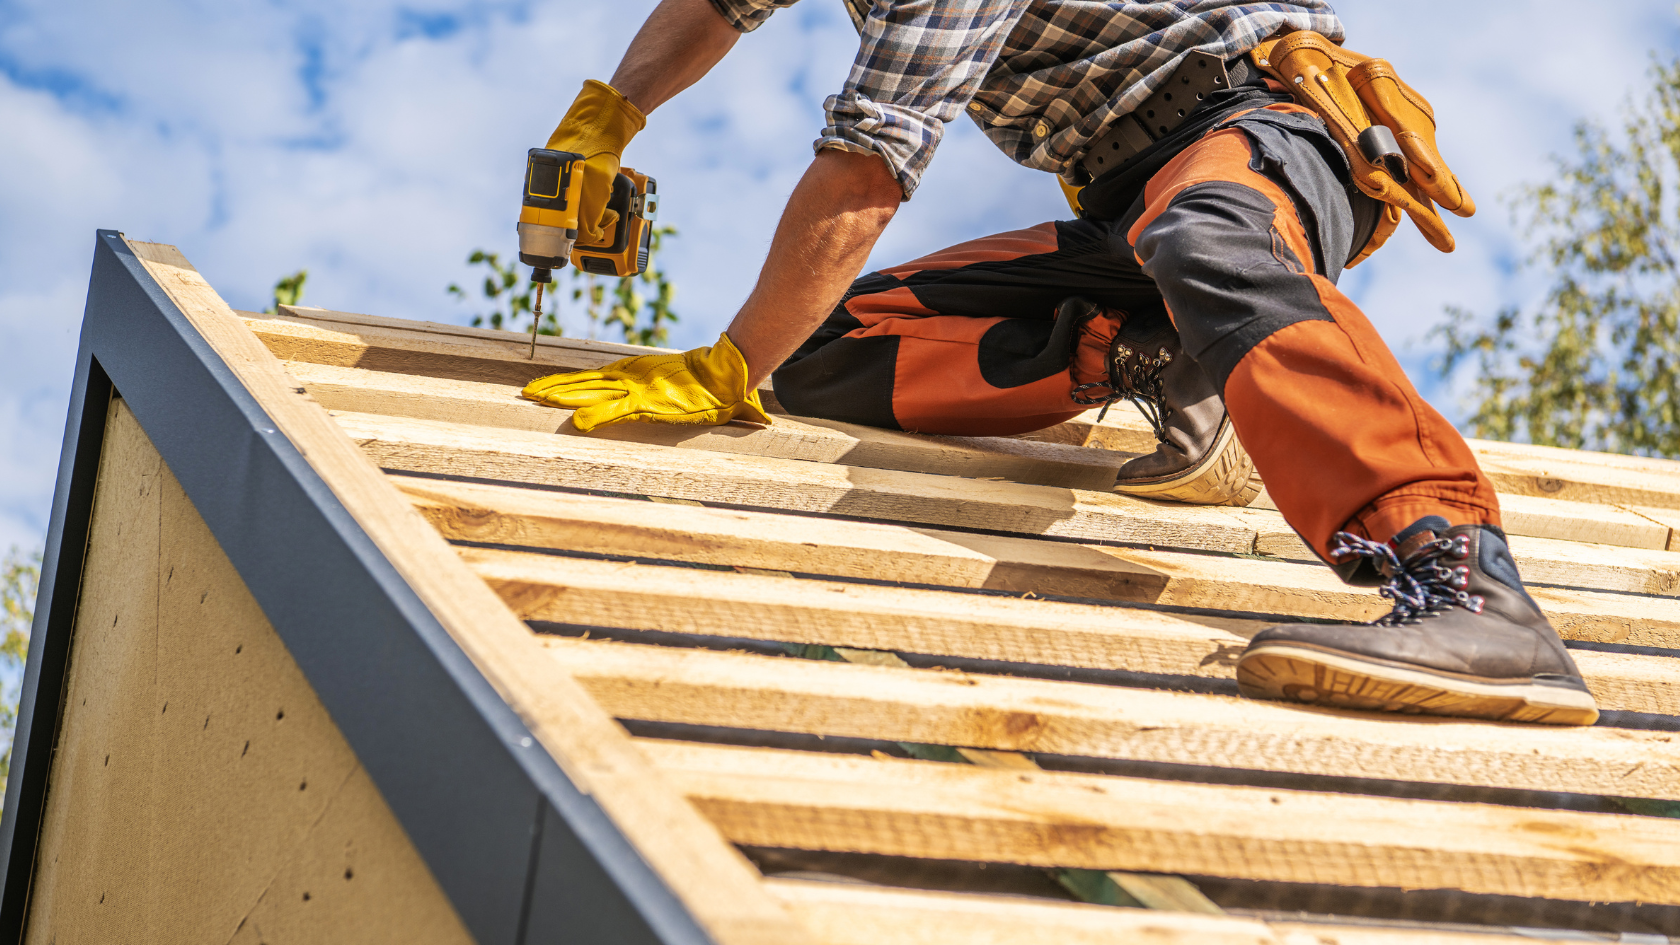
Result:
<point x="536" y="321"/>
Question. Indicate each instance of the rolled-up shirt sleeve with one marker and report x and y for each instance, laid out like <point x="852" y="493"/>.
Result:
<point x="749" y="15"/>
<point x="919" y="63"/>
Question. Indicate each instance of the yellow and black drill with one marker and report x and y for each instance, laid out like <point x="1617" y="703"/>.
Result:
<point x="548" y="223"/>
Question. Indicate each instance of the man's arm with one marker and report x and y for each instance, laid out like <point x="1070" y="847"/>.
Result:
<point x="678" y="44"/>
<point x="831" y="223"/>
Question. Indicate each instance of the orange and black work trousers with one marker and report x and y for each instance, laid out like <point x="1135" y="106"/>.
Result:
<point x="1238" y="239"/>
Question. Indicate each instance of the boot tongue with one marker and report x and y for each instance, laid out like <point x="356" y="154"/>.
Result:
<point x="1414" y="536"/>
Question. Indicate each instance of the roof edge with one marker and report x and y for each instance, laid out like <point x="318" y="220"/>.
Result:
<point x="487" y="808"/>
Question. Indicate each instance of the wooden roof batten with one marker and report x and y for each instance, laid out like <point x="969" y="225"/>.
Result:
<point x="860" y="657"/>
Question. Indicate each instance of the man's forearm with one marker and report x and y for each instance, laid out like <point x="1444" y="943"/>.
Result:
<point x="831" y="223"/>
<point x="680" y="42"/>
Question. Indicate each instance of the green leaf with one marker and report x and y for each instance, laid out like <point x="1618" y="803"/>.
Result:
<point x="1596" y="363"/>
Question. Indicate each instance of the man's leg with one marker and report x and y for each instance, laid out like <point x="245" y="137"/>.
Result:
<point x="997" y="336"/>
<point x="1344" y="443"/>
<point x="968" y="341"/>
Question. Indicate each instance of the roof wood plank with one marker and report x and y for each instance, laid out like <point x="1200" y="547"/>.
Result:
<point x="979" y="561"/>
<point x="735" y="690"/>
<point x="1522" y="469"/>
<point x="819" y="441"/>
<point x="1530" y="516"/>
<point x="849" y="914"/>
<point x="822" y="801"/>
<point x="586" y="463"/>
<point x="909" y="620"/>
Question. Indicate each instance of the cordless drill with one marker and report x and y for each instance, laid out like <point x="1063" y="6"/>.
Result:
<point x="548" y="223"/>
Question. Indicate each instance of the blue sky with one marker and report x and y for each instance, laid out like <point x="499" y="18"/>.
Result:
<point x="377" y="143"/>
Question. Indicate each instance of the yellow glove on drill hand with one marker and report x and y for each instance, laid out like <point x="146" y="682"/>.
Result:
<point x="706" y="386"/>
<point x="598" y="126"/>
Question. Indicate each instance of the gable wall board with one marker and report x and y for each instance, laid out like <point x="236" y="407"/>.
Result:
<point x="200" y="790"/>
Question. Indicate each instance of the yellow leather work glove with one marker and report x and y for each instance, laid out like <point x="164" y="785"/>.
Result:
<point x="1072" y="194"/>
<point x="598" y="126"/>
<point x="1351" y="91"/>
<point x="1407" y="113"/>
<point x="706" y="386"/>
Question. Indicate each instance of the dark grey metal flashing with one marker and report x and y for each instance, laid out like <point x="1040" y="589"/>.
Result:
<point x="520" y="851"/>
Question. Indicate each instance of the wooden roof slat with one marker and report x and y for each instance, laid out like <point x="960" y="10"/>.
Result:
<point x="736" y="690"/>
<point x="821" y="441"/>
<point x="636" y="468"/>
<point x="1517" y="468"/>
<point x="1529" y="516"/>
<point x="1665" y="518"/>
<point x="854" y="914"/>
<point x="905" y="620"/>
<point x="1138" y="575"/>
<point x="424" y="348"/>
<point x="1608" y="555"/>
<point x="822" y="801"/>
<point x="512" y="515"/>
<point x="1581" y="478"/>
<point x="932" y="622"/>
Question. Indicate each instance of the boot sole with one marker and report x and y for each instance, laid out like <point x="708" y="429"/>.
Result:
<point x="1293" y="673"/>
<point x="1225" y="476"/>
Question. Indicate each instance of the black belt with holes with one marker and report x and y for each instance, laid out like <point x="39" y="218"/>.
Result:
<point x="1188" y="87"/>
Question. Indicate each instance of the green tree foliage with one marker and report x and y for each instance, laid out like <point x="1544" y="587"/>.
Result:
<point x="638" y="307"/>
<point x="288" y="291"/>
<point x="509" y="295"/>
<point x="20" y="575"/>
<point x="1597" y="364"/>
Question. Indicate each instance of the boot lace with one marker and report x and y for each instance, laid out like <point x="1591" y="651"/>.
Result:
<point x="1423" y="585"/>
<point x="1135" y="377"/>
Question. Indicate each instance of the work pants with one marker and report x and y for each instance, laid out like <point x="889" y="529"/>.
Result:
<point x="1229" y="240"/>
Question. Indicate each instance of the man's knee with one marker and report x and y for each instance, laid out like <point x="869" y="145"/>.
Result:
<point x="1230" y="277"/>
<point x="1216" y="231"/>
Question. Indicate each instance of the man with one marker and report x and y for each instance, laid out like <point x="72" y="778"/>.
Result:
<point x="1200" y="278"/>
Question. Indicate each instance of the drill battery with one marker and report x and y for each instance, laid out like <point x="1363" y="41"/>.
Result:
<point x="624" y="250"/>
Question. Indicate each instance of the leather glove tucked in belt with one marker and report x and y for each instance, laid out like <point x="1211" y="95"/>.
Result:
<point x="1355" y="94"/>
<point x="706" y="386"/>
<point x="598" y="126"/>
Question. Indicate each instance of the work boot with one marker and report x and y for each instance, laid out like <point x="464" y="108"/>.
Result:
<point x="1464" y="638"/>
<point x="1199" y="458"/>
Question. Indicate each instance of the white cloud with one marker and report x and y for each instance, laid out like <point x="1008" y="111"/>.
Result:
<point x="377" y="143"/>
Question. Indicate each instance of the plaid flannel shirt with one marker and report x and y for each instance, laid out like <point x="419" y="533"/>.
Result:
<point x="1042" y="78"/>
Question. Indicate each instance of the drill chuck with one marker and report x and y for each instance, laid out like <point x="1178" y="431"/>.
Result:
<point x="545" y="247"/>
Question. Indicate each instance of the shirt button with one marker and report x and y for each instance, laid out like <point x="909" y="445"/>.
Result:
<point x="1041" y="129"/>
<point x="974" y="106"/>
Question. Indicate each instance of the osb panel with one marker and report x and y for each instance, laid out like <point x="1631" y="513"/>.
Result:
<point x="200" y="792"/>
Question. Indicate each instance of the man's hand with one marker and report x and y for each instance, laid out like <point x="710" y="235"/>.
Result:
<point x="834" y="217"/>
<point x="598" y="126"/>
<point x="705" y="386"/>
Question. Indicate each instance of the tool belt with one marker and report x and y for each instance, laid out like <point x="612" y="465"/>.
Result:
<point x="1197" y="76"/>
<point x="1384" y="125"/>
